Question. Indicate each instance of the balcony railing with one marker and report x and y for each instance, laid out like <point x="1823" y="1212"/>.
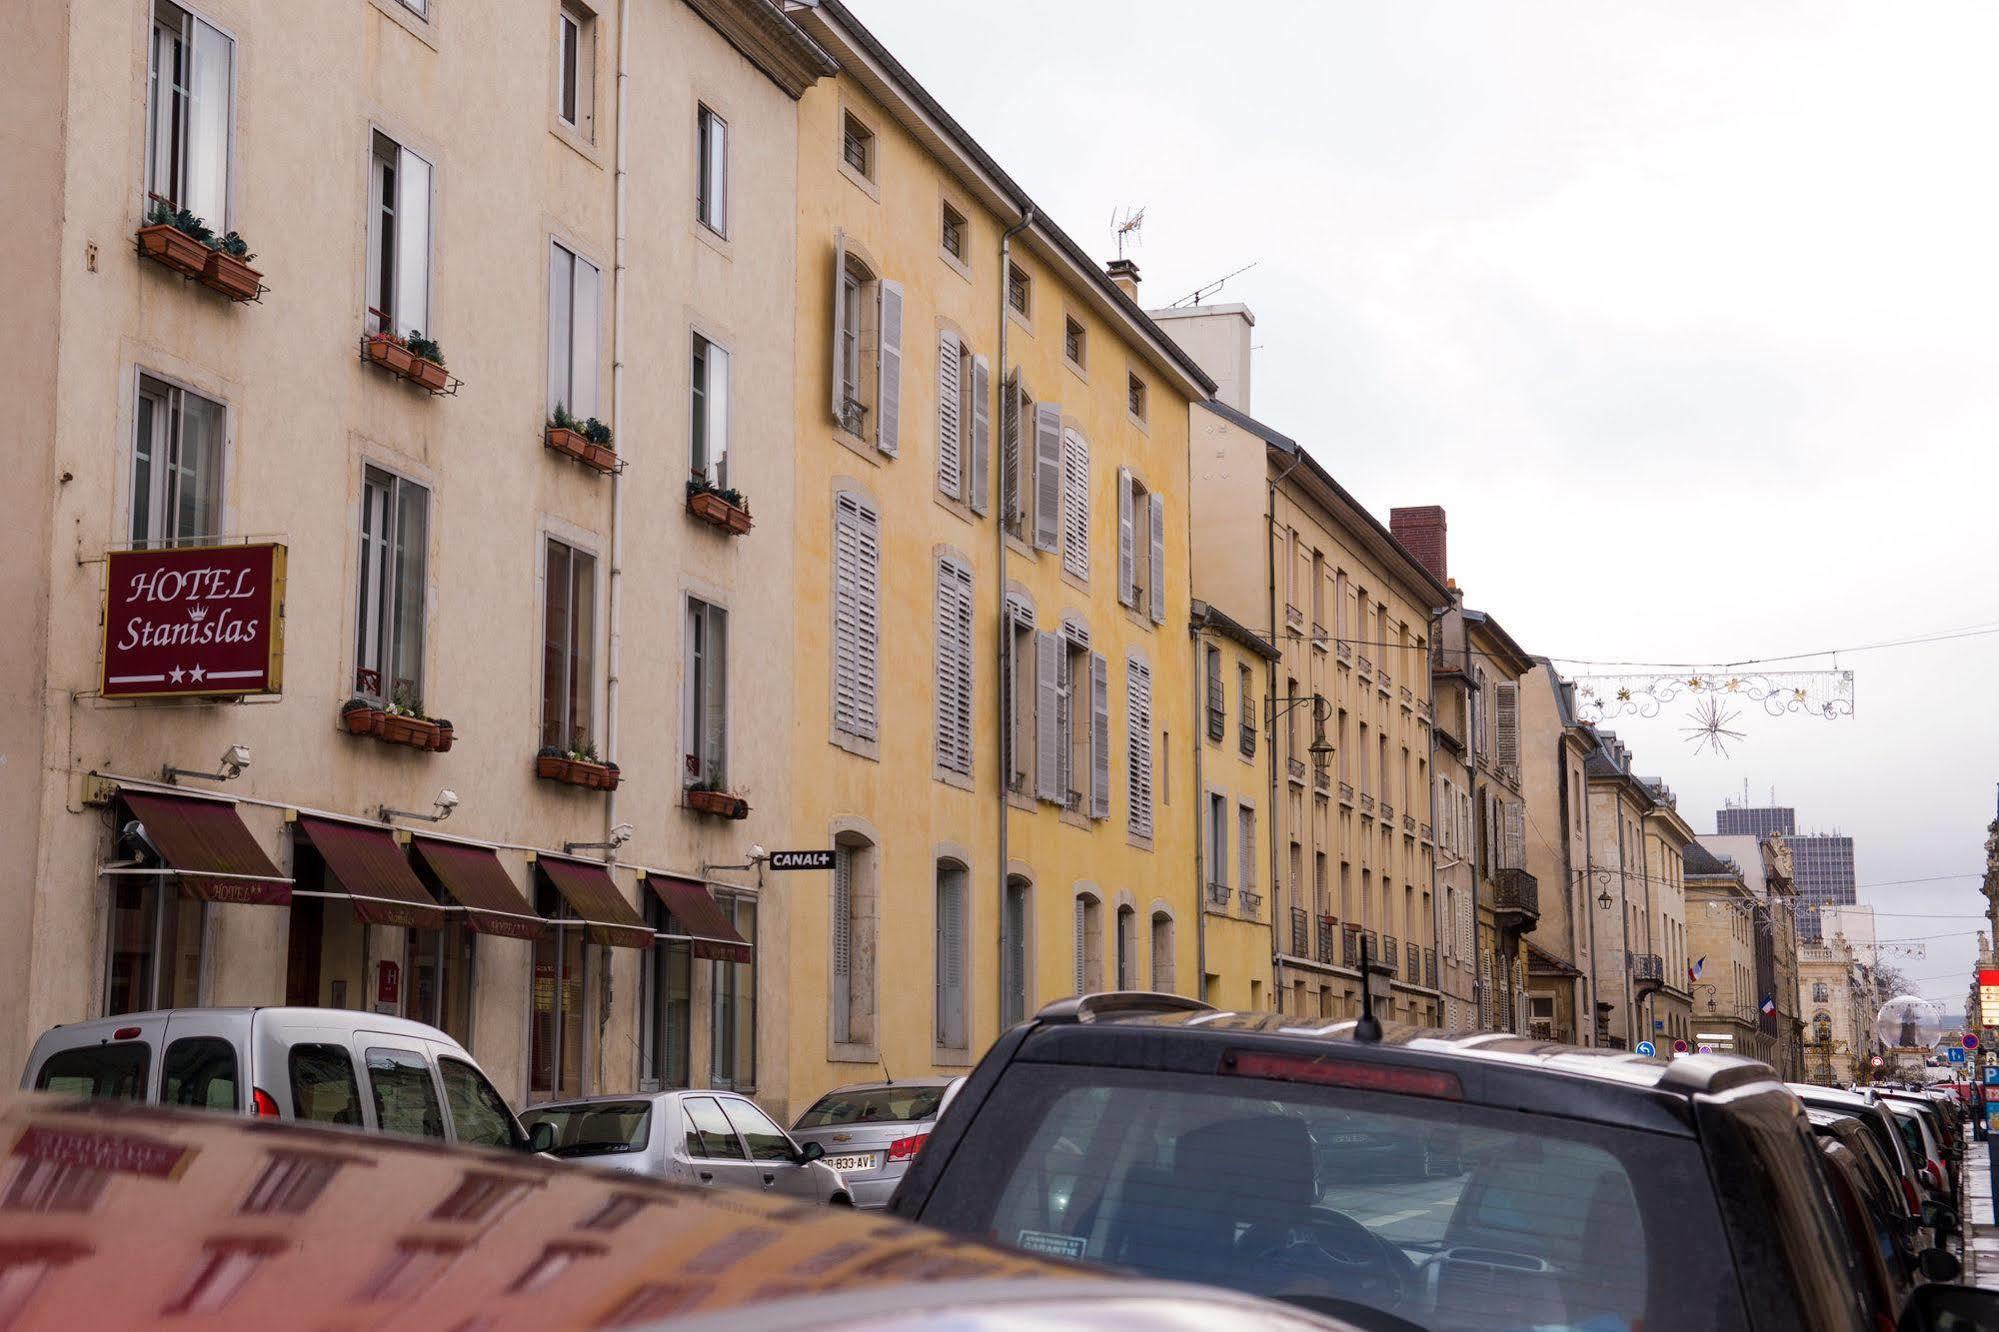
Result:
<point x="1322" y="779"/>
<point x="1293" y="616"/>
<point x="1296" y="767"/>
<point x="1329" y="929"/>
<point x="1409" y="823"/>
<point x="1218" y="894"/>
<point x="1366" y="666"/>
<point x="1343" y="650"/>
<point x="1648" y="967"/>
<point x="1346" y="793"/>
<point x="1319" y="639"/>
<point x="1387" y="812"/>
<point x="1366" y="803"/>
<point x="1516" y="899"/>
<point x="1412" y="958"/>
<point x="1350" y="947"/>
<point x="1430" y="967"/>
<point x="1389" y="957"/>
<point x="1383" y="683"/>
<point x="1408" y="697"/>
<point x="1426" y="709"/>
<point x="1252" y="903"/>
<point x="1426" y="832"/>
<point x="1248" y="740"/>
<point x="1298" y="941"/>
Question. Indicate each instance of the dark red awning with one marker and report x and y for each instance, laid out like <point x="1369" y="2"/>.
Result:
<point x="375" y="872"/>
<point x="478" y="882"/>
<point x="593" y="895"/>
<point x="700" y="918"/>
<point x="205" y="844"/>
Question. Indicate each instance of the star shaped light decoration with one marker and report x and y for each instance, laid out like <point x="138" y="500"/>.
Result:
<point x="1711" y="726"/>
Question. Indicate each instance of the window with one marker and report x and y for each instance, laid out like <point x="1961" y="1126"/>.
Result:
<point x="421" y="8"/>
<point x="1134" y="395"/>
<point x="1015" y="916"/>
<point x="1141" y="547"/>
<point x="733" y="1036"/>
<point x="1138" y="746"/>
<point x="867" y="351"/>
<point x="405" y="1097"/>
<point x="1075" y="343"/>
<point x="566" y="967"/>
<point x="948" y="980"/>
<point x="576" y="73"/>
<point x="766" y="1141"/>
<point x="156" y="948"/>
<point x="708" y="412"/>
<point x="176" y="466"/>
<point x="190" y="114"/>
<point x="665" y="1003"/>
<point x="952" y="233"/>
<point x="569" y="637"/>
<point x="1018" y="292"/>
<point x="1089" y="944"/>
<point x="478" y="1113"/>
<point x="322" y="1085"/>
<point x="389" y="609"/>
<point x="963" y="422"/>
<point x="290" y="1184"/>
<point x="1162" y="953"/>
<point x="1075" y="505"/>
<point x="709" y="1133"/>
<point x="711" y="190"/>
<point x="704" y="709"/>
<point x="1017" y="685"/>
<point x="398" y="240"/>
<point x="98" y="1072"/>
<point x="857" y="145"/>
<point x="1246" y="681"/>
<point x="1218" y="715"/>
<point x="853" y="940"/>
<point x="200" y="1071"/>
<point x="1218" y="848"/>
<point x="437" y="976"/>
<point x="856" y="615"/>
<point x="574" y="286"/>
<point x="1127" y="948"/>
<point x="1082" y="724"/>
<point x="954" y="685"/>
<point x="225" y="1265"/>
<point x="1506" y="725"/>
<point x="1246" y="846"/>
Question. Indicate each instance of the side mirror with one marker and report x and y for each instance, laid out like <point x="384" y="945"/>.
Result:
<point x="1940" y="1265"/>
<point x="809" y="1153"/>
<point x="1940" y="1308"/>
<point x="541" y="1137"/>
<point x="1940" y="1216"/>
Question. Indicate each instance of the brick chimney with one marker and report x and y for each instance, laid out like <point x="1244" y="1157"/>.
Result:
<point x="1422" y="531"/>
<point x="1125" y="273"/>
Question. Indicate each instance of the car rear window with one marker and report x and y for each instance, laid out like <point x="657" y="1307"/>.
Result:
<point x="102" y="1072"/>
<point x="872" y="1105"/>
<point x="1445" y="1214"/>
<point x="324" y="1089"/>
<point x="595" y="1128"/>
<point x="200" y="1071"/>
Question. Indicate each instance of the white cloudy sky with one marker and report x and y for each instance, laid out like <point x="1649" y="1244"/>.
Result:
<point x="1685" y="312"/>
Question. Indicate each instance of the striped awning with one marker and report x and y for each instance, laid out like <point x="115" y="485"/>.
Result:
<point x="375" y="872"/>
<point x="700" y="918"/>
<point x="204" y="843"/>
<point x="475" y="879"/>
<point x="593" y="895"/>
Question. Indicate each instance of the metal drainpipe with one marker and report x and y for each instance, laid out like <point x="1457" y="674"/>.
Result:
<point x="1589" y="906"/>
<point x="1200" y="802"/>
<point x="1644" y="1033"/>
<point x="999" y="586"/>
<point x="1436" y="825"/>
<point x="613" y="656"/>
<point x="1270" y="568"/>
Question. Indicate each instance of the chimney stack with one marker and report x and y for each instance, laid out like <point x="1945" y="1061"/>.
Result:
<point x="1421" y="529"/>
<point x="1125" y="273"/>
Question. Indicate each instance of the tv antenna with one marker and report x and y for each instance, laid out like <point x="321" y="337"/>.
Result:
<point x="1199" y="294"/>
<point x="1126" y="227"/>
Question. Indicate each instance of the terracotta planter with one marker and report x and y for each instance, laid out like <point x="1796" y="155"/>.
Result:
<point x="718" y="803"/>
<point x="576" y="772"/>
<point x="428" y="373"/>
<point x="174" y="248"/>
<point x="231" y="276"/>
<point x="361" y="721"/>
<point x="440" y="739"/>
<point x="603" y="457"/>
<point x="570" y="443"/>
<point x="391" y="356"/>
<point x="551" y="767"/>
<point x="400" y="730"/>
<point x="739" y="520"/>
<point x="711" y="508"/>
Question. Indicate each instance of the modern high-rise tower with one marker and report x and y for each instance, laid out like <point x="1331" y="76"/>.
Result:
<point x="1824" y="862"/>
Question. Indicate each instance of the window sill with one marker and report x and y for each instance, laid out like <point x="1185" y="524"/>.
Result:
<point x="1137" y="843"/>
<point x="858" y="181"/>
<point x="855" y="745"/>
<point x="846" y="1052"/>
<point x="1140" y="423"/>
<point x="714" y="239"/>
<point x="1025" y="803"/>
<point x="1078" y="818"/>
<point x="854" y="444"/>
<point x="414" y="24"/>
<point x="1025" y="323"/>
<point x="956" y="508"/>
<point x="1081" y="584"/>
<point x="954" y="263"/>
<point x="1076" y="368"/>
<point x="1141" y="619"/>
<point x="1015" y="546"/>
<point x="951" y="1056"/>
<point x="955" y="779"/>
<point x="573" y="137"/>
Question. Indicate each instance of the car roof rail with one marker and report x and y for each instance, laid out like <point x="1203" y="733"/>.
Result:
<point x="1118" y="1003"/>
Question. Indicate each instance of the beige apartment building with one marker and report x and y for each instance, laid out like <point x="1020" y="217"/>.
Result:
<point x="1561" y="957"/>
<point x="1347" y="722"/>
<point x="1771" y="875"/>
<point x="1628" y="969"/>
<point x="1722" y="924"/>
<point x="574" y="207"/>
<point x="1836" y="1000"/>
<point x="1669" y="1010"/>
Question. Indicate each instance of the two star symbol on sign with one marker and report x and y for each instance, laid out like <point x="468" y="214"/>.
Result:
<point x="197" y="675"/>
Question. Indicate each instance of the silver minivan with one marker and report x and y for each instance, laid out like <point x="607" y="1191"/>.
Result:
<point x="337" y="1066"/>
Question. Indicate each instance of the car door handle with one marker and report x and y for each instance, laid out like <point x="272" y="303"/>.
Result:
<point x="770" y="1179"/>
<point x="707" y="1176"/>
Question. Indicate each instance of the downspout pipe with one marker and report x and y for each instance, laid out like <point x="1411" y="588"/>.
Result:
<point x="1002" y="751"/>
<point x="1271" y="693"/>
<point x="1437" y="822"/>
<point x="614" y="650"/>
<point x="1203" y="871"/>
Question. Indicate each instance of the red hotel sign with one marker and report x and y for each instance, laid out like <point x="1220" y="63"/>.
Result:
<point x="194" y="621"/>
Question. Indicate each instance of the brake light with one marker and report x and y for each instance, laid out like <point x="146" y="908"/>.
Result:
<point x="905" y="1149"/>
<point x="262" y="1103"/>
<point x="125" y="1034"/>
<point x="1343" y="1073"/>
<point x="1909" y="1193"/>
<point x="1934" y="1175"/>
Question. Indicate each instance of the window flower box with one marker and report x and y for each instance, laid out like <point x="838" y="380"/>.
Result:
<point x="552" y="765"/>
<point x="230" y="275"/>
<point x="360" y="717"/>
<point x="720" y="804"/>
<point x="390" y="352"/>
<point x="184" y="243"/>
<point x="169" y="245"/>
<point x="396" y="724"/>
<point x="588" y="442"/>
<point x="726" y="509"/>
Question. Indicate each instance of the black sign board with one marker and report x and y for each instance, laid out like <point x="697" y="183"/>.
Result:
<point x="801" y="860"/>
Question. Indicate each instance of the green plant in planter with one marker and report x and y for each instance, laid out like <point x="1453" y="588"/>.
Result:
<point x="442" y="723"/>
<point x="560" y="419"/>
<point x="550" y="751"/>
<point x="235" y="247"/>
<point x="405" y="703"/>
<point x="597" y="432"/>
<point x="427" y="348"/>
<point x="356" y="704"/>
<point x="182" y="221"/>
<point x="701" y="485"/>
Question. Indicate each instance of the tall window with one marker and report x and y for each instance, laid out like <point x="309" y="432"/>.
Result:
<point x="954" y="684"/>
<point x="1163" y="970"/>
<point x="948" y="981"/>
<point x="389" y="610"/>
<point x="155" y="946"/>
<point x="1014" y="932"/>
<point x="1141" y="547"/>
<point x="711" y="196"/>
<point x="1218" y="848"/>
<point x="190" y="113"/>
<point x="1127" y="948"/>
<point x="704" y="706"/>
<point x="856" y="615"/>
<point x="576" y="69"/>
<point x="574" y="287"/>
<point x="1218" y="716"/>
<point x="857" y="145"/>
<point x="952" y="233"/>
<point x="963" y="422"/>
<point x="1246" y="689"/>
<point x="1075" y="504"/>
<point x="852" y="932"/>
<point x="1017" y="685"/>
<point x="708" y="410"/>
<point x="1019" y="290"/>
<point x="1138" y="746"/>
<point x="566" y="964"/>
<point x="569" y="636"/>
<point x="176" y="465"/>
<point x="1089" y="944"/>
<point x="398" y="239"/>
<point x="1246" y="846"/>
<point x="867" y="351"/>
<point x="733" y="1036"/>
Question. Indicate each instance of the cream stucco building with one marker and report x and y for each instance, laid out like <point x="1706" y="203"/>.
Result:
<point x="1561" y="955"/>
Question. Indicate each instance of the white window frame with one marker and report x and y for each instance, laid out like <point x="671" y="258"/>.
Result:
<point x="159" y="493"/>
<point x="575" y="547"/>
<point x="711" y="180"/>
<point x="708" y="410"/>
<point x="570" y="340"/>
<point x="396" y="210"/>
<point x="170" y="151"/>
<point x="576" y="69"/>
<point x="704" y="691"/>
<point x="377" y="627"/>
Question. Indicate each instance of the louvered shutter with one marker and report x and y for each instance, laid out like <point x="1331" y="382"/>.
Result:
<point x="950" y="417"/>
<point x="1464" y="924"/>
<point x="1047" y="475"/>
<point x="1010" y="459"/>
<point x="1127" y="593"/>
<point x="715" y="694"/>
<point x="954" y="667"/>
<point x="1075" y="504"/>
<point x="856" y="615"/>
<point x="1156" y="590"/>
<point x="842" y="929"/>
<point x="1065" y="723"/>
<point x="839" y="326"/>
<point x="1506" y="720"/>
<point x="1515" y="852"/>
<point x="1047" y="731"/>
<point x="980" y="483"/>
<point x="1246" y="848"/>
<point x="950" y="958"/>
<point x="1138" y="745"/>
<point x="1100" y="737"/>
<point x="888" y="398"/>
<point x="1082" y="943"/>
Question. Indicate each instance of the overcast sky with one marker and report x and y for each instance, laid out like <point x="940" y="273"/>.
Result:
<point x="1685" y="312"/>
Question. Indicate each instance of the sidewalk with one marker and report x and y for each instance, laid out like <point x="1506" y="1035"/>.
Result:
<point x="1981" y="1234"/>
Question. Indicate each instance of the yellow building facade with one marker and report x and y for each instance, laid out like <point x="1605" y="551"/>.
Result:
<point x="990" y="668"/>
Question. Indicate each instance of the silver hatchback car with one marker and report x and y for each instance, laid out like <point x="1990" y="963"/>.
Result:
<point x="712" y="1139"/>
<point x="871" y="1131"/>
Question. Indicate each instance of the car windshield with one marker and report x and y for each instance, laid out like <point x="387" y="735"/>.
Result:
<point x="1442" y="1214"/>
<point x="872" y="1105"/>
<point x="593" y="1128"/>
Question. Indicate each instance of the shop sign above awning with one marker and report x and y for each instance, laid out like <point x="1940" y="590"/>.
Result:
<point x="700" y="918"/>
<point x="593" y="895"/>
<point x="476" y="880"/>
<point x="204" y="843"/>
<point x="375" y="872"/>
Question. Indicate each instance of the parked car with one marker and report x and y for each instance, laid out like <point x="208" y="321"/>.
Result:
<point x="124" y="1215"/>
<point x="712" y="1139"/>
<point x="1883" y="1129"/>
<point x="329" y="1065"/>
<point x="1565" y="1187"/>
<point x="1903" y="1244"/>
<point x="1920" y="1132"/>
<point x="871" y="1131"/>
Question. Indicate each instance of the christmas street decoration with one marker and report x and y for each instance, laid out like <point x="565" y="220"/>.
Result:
<point x="1719" y="697"/>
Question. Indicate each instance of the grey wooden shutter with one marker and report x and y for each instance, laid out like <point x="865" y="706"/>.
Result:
<point x="856" y="615"/>
<point x="954" y="667"/>
<point x="1127" y="593"/>
<point x="1246" y="847"/>
<point x="1082" y="944"/>
<point x="839" y="327"/>
<point x="1514" y="855"/>
<point x="1100" y="737"/>
<point x="1010" y="459"/>
<point x="1217" y="710"/>
<point x="1156" y="591"/>
<point x="842" y="930"/>
<point x="1047" y="475"/>
<point x="1047" y="731"/>
<point x="888" y="398"/>
<point x="950" y="417"/>
<point x="1506" y="723"/>
<point x="950" y="958"/>
<point x="1138" y="745"/>
<point x="980" y="483"/>
<point x="1075" y="504"/>
<point x="714" y="694"/>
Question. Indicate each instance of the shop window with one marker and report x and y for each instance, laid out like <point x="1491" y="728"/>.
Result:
<point x="225" y="1265"/>
<point x="200" y="1071"/>
<point x="176" y="465"/>
<point x="54" y="1186"/>
<point x="665" y="1003"/>
<point x="1014" y="930"/>
<point x="155" y="941"/>
<point x="437" y="975"/>
<point x="327" y="957"/>
<point x="323" y="1087"/>
<point x="734" y="1035"/>
<point x="565" y="964"/>
<point x="478" y="1197"/>
<point x="290" y="1184"/>
<point x="389" y="609"/>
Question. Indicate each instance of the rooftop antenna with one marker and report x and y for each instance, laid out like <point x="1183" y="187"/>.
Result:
<point x="1368" y="1028"/>
<point x="1199" y="294"/>
<point x="1126" y="227"/>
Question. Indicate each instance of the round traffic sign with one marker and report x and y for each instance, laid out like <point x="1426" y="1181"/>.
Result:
<point x="1971" y="1040"/>
<point x="1647" y="1048"/>
<point x="1707" y="1049"/>
<point x="1679" y="1047"/>
<point x="1874" y="1062"/>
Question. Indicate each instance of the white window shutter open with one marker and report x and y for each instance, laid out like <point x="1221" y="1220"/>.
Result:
<point x="1138" y="745"/>
<point x="888" y="399"/>
<point x="412" y="243"/>
<point x="1065" y="723"/>
<point x="1010" y="459"/>
<point x="715" y="695"/>
<point x="1047" y="726"/>
<point x="1100" y="737"/>
<point x="1155" y="591"/>
<point x="1514" y="855"/>
<point x="1126" y="591"/>
<point x="1075" y="504"/>
<point x="950" y="417"/>
<point x="839" y="326"/>
<point x="1047" y="475"/>
<point x="951" y="958"/>
<point x="980" y="479"/>
<point x="856" y="615"/>
<point x="954" y="667"/>
<point x="1506" y="724"/>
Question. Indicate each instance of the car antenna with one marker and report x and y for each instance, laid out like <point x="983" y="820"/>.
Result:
<point x="1368" y="1028"/>
<point x="887" y="1076"/>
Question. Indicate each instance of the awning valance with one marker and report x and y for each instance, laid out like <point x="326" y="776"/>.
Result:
<point x="593" y="895"/>
<point x="375" y="872"/>
<point x="204" y="843"/>
<point x="700" y="918"/>
<point x="476" y="880"/>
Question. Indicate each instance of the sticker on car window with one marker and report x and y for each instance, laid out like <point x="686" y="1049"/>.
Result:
<point x="1051" y="1245"/>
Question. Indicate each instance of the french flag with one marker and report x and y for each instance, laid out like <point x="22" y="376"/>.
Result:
<point x="1694" y="971"/>
<point x="1769" y="1005"/>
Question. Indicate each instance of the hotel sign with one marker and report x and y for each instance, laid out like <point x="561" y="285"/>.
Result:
<point x="194" y="621"/>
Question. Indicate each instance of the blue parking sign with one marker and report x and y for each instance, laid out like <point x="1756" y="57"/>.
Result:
<point x="1956" y="1054"/>
<point x="1992" y="1076"/>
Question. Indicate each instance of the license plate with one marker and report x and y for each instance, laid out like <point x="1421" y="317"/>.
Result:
<point x="854" y="1161"/>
